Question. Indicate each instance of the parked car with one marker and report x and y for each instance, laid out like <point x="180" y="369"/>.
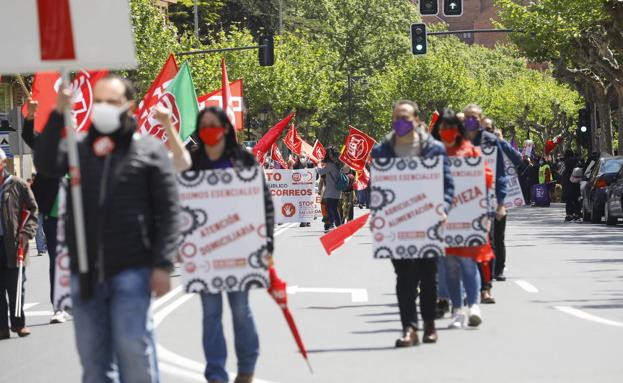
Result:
<point x="614" y="200"/>
<point x="595" y="191"/>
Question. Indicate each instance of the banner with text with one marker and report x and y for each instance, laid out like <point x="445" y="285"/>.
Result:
<point x="490" y="153"/>
<point x="62" y="273"/>
<point x="223" y="244"/>
<point x="467" y="220"/>
<point x="407" y="205"/>
<point x="514" y="195"/>
<point x="294" y="194"/>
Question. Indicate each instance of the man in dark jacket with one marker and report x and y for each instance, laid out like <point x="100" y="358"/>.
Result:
<point x="15" y="197"/>
<point x="408" y="139"/>
<point x="130" y="216"/>
<point x="571" y="191"/>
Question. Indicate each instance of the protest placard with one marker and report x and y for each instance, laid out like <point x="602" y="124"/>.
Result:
<point x="62" y="272"/>
<point x="407" y="203"/>
<point x="467" y="220"/>
<point x="514" y="195"/>
<point x="223" y="244"/>
<point x="490" y="154"/>
<point x="294" y="194"/>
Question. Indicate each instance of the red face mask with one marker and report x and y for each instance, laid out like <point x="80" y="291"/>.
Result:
<point x="211" y="135"/>
<point x="449" y="135"/>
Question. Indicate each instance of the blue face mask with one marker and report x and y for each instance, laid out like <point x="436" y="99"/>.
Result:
<point x="472" y="124"/>
<point x="402" y="127"/>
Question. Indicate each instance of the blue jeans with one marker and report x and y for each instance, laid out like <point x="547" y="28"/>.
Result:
<point x="462" y="269"/>
<point x="334" y="214"/>
<point x="245" y="334"/>
<point x="40" y="236"/>
<point x="442" y="286"/>
<point x="114" y="331"/>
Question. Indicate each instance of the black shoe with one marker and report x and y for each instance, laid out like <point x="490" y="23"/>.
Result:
<point x="443" y="307"/>
<point x="500" y="278"/>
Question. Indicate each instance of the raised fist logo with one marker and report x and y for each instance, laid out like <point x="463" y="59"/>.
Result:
<point x="288" y="210"/>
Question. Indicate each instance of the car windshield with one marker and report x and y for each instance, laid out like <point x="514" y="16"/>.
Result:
<point x="611" y="166"/>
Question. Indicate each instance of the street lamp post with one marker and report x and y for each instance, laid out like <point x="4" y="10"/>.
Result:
<point x="351" y="80"/>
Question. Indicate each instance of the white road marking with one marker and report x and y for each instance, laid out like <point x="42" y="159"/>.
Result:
<point x="165" y="298"/>
<point x="527" y="286"/>
<point x="38" y="313"/>
<point x="356" y="295"/>
<point x="160" y="315"/>
<point x="586" y="316"/>
<point x="283" y="228"/>
<point x="30" y="305"/>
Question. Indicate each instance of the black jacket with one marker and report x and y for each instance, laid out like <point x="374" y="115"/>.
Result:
<point x="43" y="187"/>
<point x="130" y="198"/>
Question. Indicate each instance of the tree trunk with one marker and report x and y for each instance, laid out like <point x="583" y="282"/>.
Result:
<point x="619" y="91"/>
<point x="605" y="136"/>
<point x="594" y="128"/>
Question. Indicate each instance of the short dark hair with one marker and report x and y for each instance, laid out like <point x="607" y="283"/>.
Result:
<point x="416" y="109"/>
<point x="130" y="91"/>
<point x="449" y="118"/>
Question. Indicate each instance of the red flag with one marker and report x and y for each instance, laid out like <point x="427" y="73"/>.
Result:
<point x="362" y="179"/>
<point x="308" y="150"/>
<point x="293" y="140"/>
<point x="278" y="290"/>
<point x="228" y="105"/>
<point x="45" y="88"/>
<point x="319" y="150"/>
<point x="337" y="237"/>
<point x="216" y="99"/>
<point x="275" y="154"/>
<point x="267" y="141"/>
<point x="357" y="148"/>
<point x="145" y="121"/>
<point x="433" y="121"/>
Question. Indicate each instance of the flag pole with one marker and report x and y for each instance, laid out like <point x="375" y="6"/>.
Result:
<point x="22" y="84"/>
<point x="76" y="196"/>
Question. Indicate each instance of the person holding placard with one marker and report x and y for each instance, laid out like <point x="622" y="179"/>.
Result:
<point x="461" y="262"/>
<point x="409" y="139"/>
<point x="219" y="150"/>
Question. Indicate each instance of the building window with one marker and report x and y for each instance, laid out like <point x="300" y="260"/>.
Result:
<point x="5" y="98"/>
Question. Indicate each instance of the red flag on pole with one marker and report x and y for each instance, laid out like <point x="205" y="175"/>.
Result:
<point x="319" y="150"/>
<point x="308" y="150"/>
<point x="275" y="154"/>
<point x="156" y="90"/>
<point x="266" y="142"/>
<point x="293" y="140"/>
<point x="357" y="148"/>
<point x="216" y="99"/>
<point x="278" y="290"/>
<point x="433" y="121"/>
<point x="337" y="237"/>
<point x="228" y="105"/>
<point x="362" y="178"/>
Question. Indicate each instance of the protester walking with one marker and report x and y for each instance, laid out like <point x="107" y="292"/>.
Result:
<point x="460" y="263"/>
<point x="408" y="139"/>
<point x="330" y="169"/>
<point x="571" y="179"/>
<point x="16" y="198"/>
<point x="347" y="199"/>
<point x="219" y="150"/>
<point x="130" y="215"/>
<point x="475" y="132"/>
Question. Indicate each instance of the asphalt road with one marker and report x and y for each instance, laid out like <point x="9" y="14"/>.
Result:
<point x="559" y="317"/>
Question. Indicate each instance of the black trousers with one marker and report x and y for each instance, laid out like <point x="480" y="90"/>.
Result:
<point x="499" y="245"/>
<point x="50" y="228"/>
<point x="573" y="206"/>
<point x="8" y="286"/>
<point x="411" y="273"/>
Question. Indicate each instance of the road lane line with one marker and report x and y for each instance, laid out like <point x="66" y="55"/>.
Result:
<point x="165" y="298"/>
<point x="30" y="305"/>
<point x="38" y="313"/>
<point x="527" y="286"/>
<point x="356" y="295"/>
<point x="160" y="315"/>
<point x="282" y="229"/>
<point x="586" y="316"/>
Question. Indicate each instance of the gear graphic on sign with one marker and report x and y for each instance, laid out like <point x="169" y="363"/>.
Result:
<point x="479" y="224"/>
<point x="64" y="303"/>
<point x="412" y="250"/>
<point x="190" y="178"/>
<point x="383" y="164"/>
<point x="246" y="174"/>
<point x="191" y="219"/>
<point x="430" y="162"/>
<point x="401" y="164"/>
<point x="511" y="171"/>
<point x="434" y="232"/>
<point x="197" y="285"/>
<point x="487" y="148"/>
<point x="257" y="260"/>
<point x="400" y="252"/>
<point x="213" y="178"/>
<point x="475" y="240"/>
<point x="390" y="196"/>
<point x="383" y="253"/>
<point x="226" y="178"/>
<point x="473" y="161"/>
<point x="413" y="164"/>
<point x="231" y="282"/>
<point x="456" y="162"/>
<point x="458" y="239"/>
<point x="430" y="251"/>
<point x="449" y="240"/>
<point x="217" y="283"/>
<point x="253" y="281"/>
<point x="377" y="199"/>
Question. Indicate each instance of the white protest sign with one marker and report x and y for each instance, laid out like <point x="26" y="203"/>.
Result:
<point x="40" y="35"/>
<point x="62" y="272"/>
<point x="467" y="220"/>
<point x="407" y="201"/>
<point x="490" y="154"/>
<point x="223" y="244"/>
<point x="293" y="193"/>
<point x="514" y="195"/>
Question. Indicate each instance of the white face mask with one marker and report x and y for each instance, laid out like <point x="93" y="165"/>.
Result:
<point x="106" y="117"/>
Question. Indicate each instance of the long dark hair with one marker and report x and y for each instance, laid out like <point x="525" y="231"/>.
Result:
<point x="449" y="118"/>
<point x="232" y="147"/>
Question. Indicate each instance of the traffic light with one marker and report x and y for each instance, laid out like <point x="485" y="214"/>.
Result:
<point x="452" y="8"/>
<point x="267" y="51"/>
<point x="429" y="7"/>
<point x="583" y="132"/>
<point x="419" y="45"/>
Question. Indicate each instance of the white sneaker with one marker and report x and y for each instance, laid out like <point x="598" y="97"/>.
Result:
<point x="58" y="317"/>
<point x="475" y="318"/>
<point x="458" y="319"/>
